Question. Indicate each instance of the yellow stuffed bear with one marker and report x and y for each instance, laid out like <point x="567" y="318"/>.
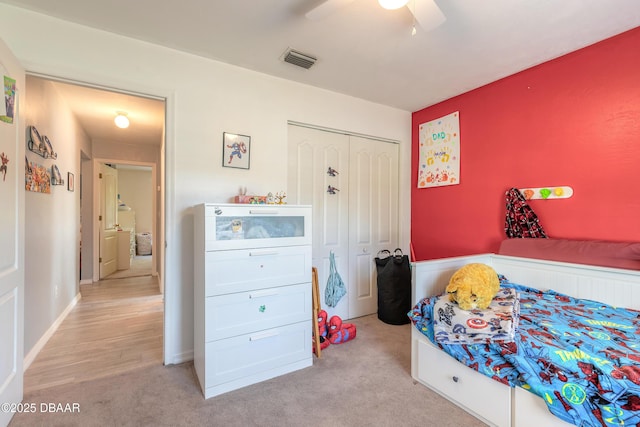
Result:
<point x="473" y="286"/>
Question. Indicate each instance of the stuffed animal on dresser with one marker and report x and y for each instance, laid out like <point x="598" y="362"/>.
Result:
<point x="473" y="286"/>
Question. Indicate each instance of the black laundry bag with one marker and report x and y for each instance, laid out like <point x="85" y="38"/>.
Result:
<point x="394" y="287"/>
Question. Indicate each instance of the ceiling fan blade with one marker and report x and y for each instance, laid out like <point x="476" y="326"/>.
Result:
<point x="325" y="9"/>
<point x="427" y="13"/>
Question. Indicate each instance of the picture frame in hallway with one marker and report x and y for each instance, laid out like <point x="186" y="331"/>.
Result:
<point x="70" y="181"/>
<point x="56" y="178"/>
<point x="236" y="150"/>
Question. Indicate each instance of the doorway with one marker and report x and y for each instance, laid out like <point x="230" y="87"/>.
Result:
<point x="133" y="204"/>
<point x="80" y="138"/>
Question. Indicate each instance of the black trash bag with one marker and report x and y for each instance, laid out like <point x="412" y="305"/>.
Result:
<point x="394" y="287"/>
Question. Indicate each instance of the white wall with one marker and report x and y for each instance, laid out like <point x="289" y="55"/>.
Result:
<point x="84" y="184"/>
<point x="51" y="220"/>
<point x="204" y="99"/>
<point x="135" y="189"/>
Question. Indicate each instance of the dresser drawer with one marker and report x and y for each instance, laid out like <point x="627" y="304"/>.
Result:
<point x="233" y="226"/>
<point x="247" y="269"/>
<point x="462" y="385"/>
<point x="252" y="354"/>
<point x="245" y="312"/>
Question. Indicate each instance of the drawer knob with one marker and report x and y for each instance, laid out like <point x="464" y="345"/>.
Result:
<point x="455" y="379"/>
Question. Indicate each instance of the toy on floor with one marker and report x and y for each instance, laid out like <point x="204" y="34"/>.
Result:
<point x="334" y="331"/>
<point x="322" y="323"/>
<point x="322" y="326"/>
<point x="473" y="286"/>
<point x="340" y="332"/>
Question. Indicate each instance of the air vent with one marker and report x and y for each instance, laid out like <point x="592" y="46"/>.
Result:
<point x="298" y="58"/>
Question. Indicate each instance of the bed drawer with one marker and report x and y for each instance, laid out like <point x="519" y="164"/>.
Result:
<point x="258" y="353"/>
<point x="248" y="269"/>
<point x="245" y="312"/>
<point x="469" y="389"/>
<point x="530" y="410"/>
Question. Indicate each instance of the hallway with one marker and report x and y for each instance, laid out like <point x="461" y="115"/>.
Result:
<point x="141" y="265"/>
<point x="116" y="326"/>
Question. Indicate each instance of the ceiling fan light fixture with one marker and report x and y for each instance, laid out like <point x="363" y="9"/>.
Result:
<point x="393" y="4"/>
<point x="121" y="120"/>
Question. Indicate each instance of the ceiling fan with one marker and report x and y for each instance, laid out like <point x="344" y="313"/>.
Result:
<point x="427" y="14"/>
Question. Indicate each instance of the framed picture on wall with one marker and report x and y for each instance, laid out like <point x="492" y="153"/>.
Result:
<point x="70" y="181"/>
<point x="236" y="150"/>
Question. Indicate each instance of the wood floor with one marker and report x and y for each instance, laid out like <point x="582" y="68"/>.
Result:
<point x="116" y="326"/>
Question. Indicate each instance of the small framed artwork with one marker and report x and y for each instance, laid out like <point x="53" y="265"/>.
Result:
<point x="236" y="150"/>
<point x="56" y="177"/>
<point x="70" y="181"/>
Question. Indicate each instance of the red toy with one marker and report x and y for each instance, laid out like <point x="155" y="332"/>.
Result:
<point x="322" y="323"/>
<point x="322" y="327"/>
<point x="340" y="332"/>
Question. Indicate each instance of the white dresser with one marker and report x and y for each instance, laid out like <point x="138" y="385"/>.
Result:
<point x="252" y="293"/>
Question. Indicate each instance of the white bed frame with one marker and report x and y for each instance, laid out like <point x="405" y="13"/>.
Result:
<point x="488" y="400"/>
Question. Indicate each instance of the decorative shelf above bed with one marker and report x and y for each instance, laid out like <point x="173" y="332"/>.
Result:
<point x="547" y="193"/>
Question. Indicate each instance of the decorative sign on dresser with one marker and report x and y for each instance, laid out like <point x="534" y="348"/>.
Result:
<point x="252" y="293"/>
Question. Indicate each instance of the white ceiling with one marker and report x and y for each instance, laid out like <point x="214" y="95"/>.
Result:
<point x="95" y="109"/>
<point x="363" y="50"/>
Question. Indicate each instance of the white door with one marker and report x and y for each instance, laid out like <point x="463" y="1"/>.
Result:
<point x="311" y="153"/>
<point x="108" y="215"/>
<point x="373" y="217"/>
<point x="12" y="153"/>
<point x="355" y="208"/>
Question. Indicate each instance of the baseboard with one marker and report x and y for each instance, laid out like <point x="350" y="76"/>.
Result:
<point x="86" y="282"/>
<point x="30" y="357"/>
<point x="179" y="358"/>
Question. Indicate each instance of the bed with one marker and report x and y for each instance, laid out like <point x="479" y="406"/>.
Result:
<point x="504" y="399"/>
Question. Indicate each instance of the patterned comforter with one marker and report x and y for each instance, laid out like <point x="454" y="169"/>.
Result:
<point x="582" y="357"/>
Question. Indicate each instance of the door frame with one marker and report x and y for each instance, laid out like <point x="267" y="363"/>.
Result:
<point x="166" y="196"/>
<point x="96" y="209"/>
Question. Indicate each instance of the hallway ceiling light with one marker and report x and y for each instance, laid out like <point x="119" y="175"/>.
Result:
<point x="122" y="121"/>
<point x="393" y="4"/>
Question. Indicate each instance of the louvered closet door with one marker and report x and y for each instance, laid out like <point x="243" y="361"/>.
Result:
<point x="354" y="220"/>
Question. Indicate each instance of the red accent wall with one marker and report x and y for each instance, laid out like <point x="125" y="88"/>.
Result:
<point x="571" y="121"/>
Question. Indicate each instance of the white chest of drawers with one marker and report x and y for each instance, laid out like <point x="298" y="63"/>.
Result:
<point x="252" y="293"/>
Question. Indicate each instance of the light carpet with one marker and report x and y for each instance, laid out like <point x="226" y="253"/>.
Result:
<point x="364" y="382"/>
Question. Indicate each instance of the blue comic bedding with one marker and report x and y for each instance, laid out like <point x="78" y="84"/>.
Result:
<point x="582" y="357"/>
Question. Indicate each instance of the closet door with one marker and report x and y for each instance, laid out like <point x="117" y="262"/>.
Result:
<point x="356" y="217"/>
<point x="311" y="153"/>
<point x="373" y="217"/>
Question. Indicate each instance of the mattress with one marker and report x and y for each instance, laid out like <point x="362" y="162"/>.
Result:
<point x="580" y="356"/>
